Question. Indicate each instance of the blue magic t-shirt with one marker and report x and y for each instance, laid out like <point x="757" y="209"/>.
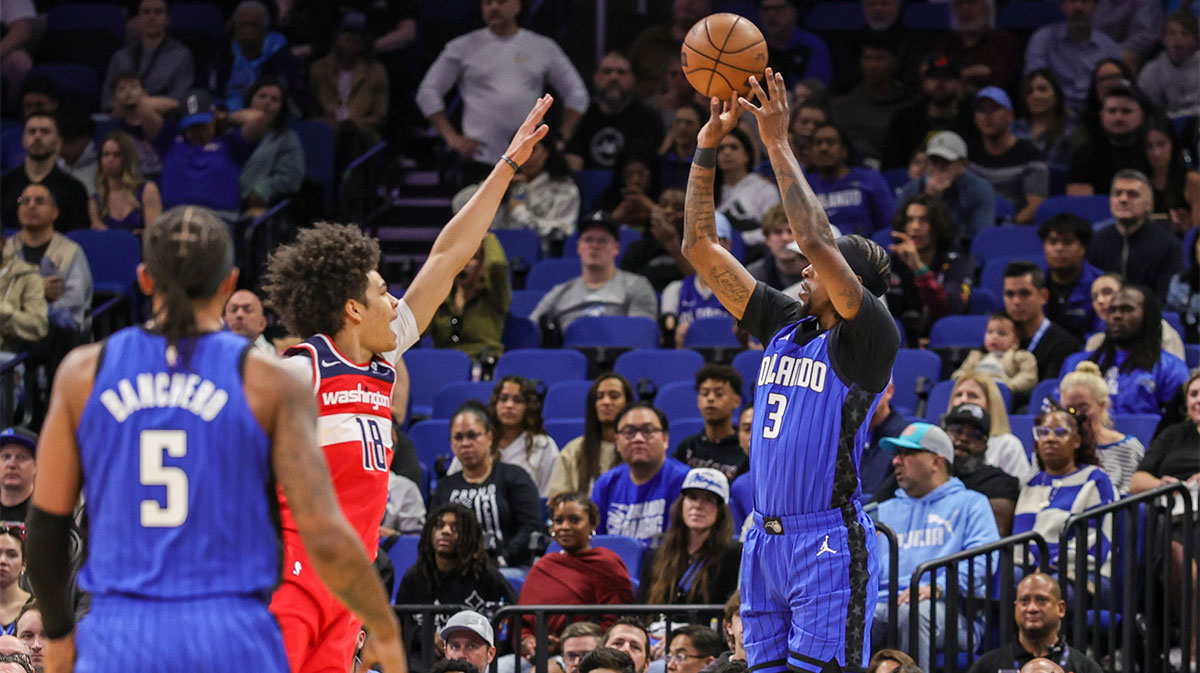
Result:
<point x="860" y="202"/>
<point x="205" y="175"/>
<point x="640" y="512"/>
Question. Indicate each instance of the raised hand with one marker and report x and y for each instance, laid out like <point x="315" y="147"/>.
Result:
<point x="531" y="131"/>
<point x="772" y="109"/>
<point x="722" y="119"/>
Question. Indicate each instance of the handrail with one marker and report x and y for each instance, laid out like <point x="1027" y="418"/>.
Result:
<point x="892" y="635"/>
<point x="541" y="634"/>
<point x="364" y="157"/>
<point x="426" y="613"/>
<point x="952" y="599"/>
<point x="1126" y="575"/>
<point x="8" y="400"/>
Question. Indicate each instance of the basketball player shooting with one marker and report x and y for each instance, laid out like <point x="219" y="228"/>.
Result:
<point x="809" y="576"/>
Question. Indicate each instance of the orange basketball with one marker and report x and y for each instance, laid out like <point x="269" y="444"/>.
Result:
<point x="720" y="52"/>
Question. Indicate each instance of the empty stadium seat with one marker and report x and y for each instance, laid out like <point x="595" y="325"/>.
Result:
<point x="451" y="396"/>
<point x="566" y="399"/>
<point x="1091" y="208"/>
<point x="520" y="244"/>
<point x="403" y="554"/>
<point x="563" y="430"/>
<point x="714" y="332"/>
<point x="992" y="276"/>
<point x="911" y="365"/>
<point x="524" y="301"/>
<point x="520" y="333"/>
<point x="1022" y="426"/>
<point x="1044" y="389"/>
<point x="548" y="365"/>
<point x="996" y="241"/>
<point x="660" y="365"/>
<point x="431" y="439"/>
<point x="682" y="428"/>
<point x="927" y="16"/>
<point x="835" y="17"/>
<point x="678" y="400"/>
<point x="113" y="256"/>
<point x="612" y="332"/>
<point x="1193" y="355"/>
<point x="1141" y="426"/>
<point x="958" y="331"/>
<point x="747" y="363"/>
<point x="547" y="273"/>
<point x="592" y="184"/>
<point x="319" y="151"/>
<point x="78" y="79"/>
<point x="429" y="370"/>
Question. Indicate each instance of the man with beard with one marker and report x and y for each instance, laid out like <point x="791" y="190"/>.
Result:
<point x="1071" y="49"/>
<point x="452" y="567"/>
<point x="1120" y="147"/>
<point x="1142" y="377"/>
<point x="614" y="120"/>
<point x="857" y="200"/>
<point x="1142" y="251"/>
<point x="42" y="143"/>
<point x="1039" y="612"/>
<point x="969" y="426"/>
<point x="939" y="108"/>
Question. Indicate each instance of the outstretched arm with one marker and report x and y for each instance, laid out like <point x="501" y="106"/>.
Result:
<point x="729" y="280"/>
<point x="460" y="238"/>
<point x="805" y="215"/>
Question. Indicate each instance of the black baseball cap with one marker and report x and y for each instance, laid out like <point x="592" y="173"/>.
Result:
<point x="600" y="220"/>
<point x="970" y="414"/>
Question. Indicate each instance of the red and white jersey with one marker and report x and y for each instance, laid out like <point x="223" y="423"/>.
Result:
<point x="354" y="428"/>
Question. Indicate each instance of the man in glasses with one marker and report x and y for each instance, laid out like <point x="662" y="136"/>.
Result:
<point x="933" y="515"/>
<point x="692" y="648"/>
<point x="635" y="497"/>
<point x="968" y="426"/>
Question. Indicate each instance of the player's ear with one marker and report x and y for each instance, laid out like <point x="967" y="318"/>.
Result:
<point x="144" y="281"/>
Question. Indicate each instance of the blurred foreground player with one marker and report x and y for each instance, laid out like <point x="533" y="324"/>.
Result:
<point x="325" y="284"/>
<point x="177" y="432"/>
<point x="808" y="566"/>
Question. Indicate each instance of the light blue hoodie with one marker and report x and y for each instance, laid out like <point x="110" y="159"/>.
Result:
<point x="949" y="519"/>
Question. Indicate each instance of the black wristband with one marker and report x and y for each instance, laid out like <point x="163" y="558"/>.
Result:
<point x="47" y="552"/>
<point x="705" y="157"/>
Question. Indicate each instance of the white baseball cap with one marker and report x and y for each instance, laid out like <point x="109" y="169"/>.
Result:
<point x="947" y="145"/>
<point x="707" y="479"/>
<point x="469" y="620"/>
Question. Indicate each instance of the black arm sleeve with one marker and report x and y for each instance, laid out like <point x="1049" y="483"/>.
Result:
<point x="526" y="510"/>
<point x="48" y="557"/>
<point x="863" y="350"/>
<point x="769" y="311"/>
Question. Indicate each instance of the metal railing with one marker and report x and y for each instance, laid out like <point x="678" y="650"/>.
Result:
<point x="1129" y="611"/>
<point x="407" y="615"/>
<point x="8" y="390"/>
<point x="892" y="633"/>
<point x="996" y="605"/>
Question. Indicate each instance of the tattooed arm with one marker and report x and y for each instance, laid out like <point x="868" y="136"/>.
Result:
<point x="805" y="215"/>
<point x="730" y="281"/>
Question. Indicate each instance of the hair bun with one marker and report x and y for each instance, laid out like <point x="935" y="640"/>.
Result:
<point x="1088" y="367"/>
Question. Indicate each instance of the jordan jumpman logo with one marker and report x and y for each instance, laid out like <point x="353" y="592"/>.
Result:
<point x="825" y="549"/>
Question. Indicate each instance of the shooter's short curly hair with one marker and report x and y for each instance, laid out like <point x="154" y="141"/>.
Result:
<point x="309" y="280"/>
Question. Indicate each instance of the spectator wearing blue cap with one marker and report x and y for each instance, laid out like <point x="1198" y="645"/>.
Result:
<point x="18" y="450"/>
<point x="1016" y="169"/>
<point x="202" y="165"/>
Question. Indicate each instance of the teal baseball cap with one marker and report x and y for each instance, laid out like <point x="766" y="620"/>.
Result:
<point x="922" y="437"/>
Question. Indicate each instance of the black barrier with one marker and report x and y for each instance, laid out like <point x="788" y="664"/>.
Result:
<point x="996" y="604"/>
<point x="406" y="615"/>
<point x="892" y="634"/>
<point x="10" y="382"/>
<point x="1115" y="614"/>
<point x="693" y="613"/>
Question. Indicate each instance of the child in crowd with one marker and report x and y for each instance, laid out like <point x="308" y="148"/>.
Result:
<point x="1001" y="358"/>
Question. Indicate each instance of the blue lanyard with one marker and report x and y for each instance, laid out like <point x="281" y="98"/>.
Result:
<point x="1037" y="336"/>
<point x="689" y="576"/>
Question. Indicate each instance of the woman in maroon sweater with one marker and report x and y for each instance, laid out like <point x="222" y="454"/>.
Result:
<point x="577" y="575"/>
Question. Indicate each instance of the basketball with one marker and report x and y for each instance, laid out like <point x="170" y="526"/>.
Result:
<point x="720" y="52"/>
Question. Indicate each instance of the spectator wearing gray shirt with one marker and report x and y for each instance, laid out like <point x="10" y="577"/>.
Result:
<point x="1016" y="169"/>
<point x="1135" y="25"/>
<point x="163" y="63"/>
<point x="602" y="289"/>
<point x="1071" y="49"/>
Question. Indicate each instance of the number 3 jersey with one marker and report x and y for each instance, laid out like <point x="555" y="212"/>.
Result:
<point x="176" y="473"/>
<point x="813" y="399"/>
<point x="354" y="429"/>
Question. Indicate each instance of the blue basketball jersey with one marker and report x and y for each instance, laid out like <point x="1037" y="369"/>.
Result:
<point x="176" y="473"/>
<point x="810" y="422"/>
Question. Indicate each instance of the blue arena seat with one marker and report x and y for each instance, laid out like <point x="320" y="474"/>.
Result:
<point x="713" y="332"/>
<point x="1141" y="426"/>
<point x="403" y="554"/>
<point x="320" y="147"/>
<point x="678" y="400"/>
<point x="520" y="332"/>
<point x="429" y="369"/>
<point x="912" y="364"/>
<point x="522" y="244"/>
<point x="547" y="273"/>
<point x="548" y="365"/>
<point x="983" y="302"/>
<point x="629" y="549"/>
<point x="992" y="276"/>
<point x="113" y="256"/>
<point x="939" y="399"/>
<point x="1189" y="244"/>
<point x="1022" y="426"/>
<point x="563" y="430"/>
<point x="84" y="33"/>
<point x="682" y="428"/>
<point x="835" y="17"/>
<point x="660" y="365"/>
<point x="431" y="439"/>
<point x="1091" y="208"/>
<point x="958" y="331"/>
<point x="1043" y="389"/>
<point x="524" y="301"/>
<point x="592" y="184"/>
<point x="1004" y="210"/>
<point x="996" y="241"/>
<point x="1192" y="351"/>
<point x="612" y="331"/>
<point x="1173" y="319"/>
<point x="747" y="363"/>
<point x="566" y="399"/>
<point x="79" y="79"/>
<point x="1028" y="15"/>
<point x="451" y="396"/>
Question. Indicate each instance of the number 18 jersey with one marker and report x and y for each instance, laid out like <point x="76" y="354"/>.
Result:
<point x="354" y="428"/>
<point x="176" y="473"/>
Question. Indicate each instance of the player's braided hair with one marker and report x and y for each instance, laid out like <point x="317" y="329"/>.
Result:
<point x="469" y="552"/>
<point x="188" y="253"/>
<point x="874" y="254"/>
<point x="308" y="281"/>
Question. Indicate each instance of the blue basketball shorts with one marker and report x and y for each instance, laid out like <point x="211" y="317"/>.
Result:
<point x="222" y="634"/>
<point x="808" y="589"/>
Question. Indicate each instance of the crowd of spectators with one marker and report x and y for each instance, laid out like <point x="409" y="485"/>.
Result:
<point x="925" y="140"/>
